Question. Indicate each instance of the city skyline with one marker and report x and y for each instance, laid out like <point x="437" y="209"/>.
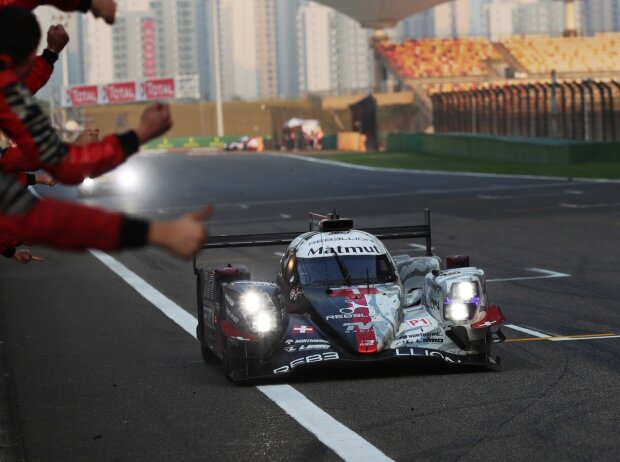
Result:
<point x="281" y="48"/>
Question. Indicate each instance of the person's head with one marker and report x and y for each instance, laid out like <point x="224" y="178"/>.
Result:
<point x="20" y="35"/>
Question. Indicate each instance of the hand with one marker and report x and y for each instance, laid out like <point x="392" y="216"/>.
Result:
<point x="154" y="122"/>
<point x="24" y="256"/>
<point x="87" y="136"/>
<point x="57" y="38"/>
<point x="183" y="236"/>
<point x="46" y="179"/>
<point x="105" y="9"/>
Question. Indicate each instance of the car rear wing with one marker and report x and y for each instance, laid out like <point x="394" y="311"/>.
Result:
<point x="271" y="239"/>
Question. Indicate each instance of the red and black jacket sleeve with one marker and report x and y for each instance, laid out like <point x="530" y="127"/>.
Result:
<point x="64" y="5"/>
<point x="62" y="224"/>
<point x="22" y="120"/>
<point x="41" y="71"/>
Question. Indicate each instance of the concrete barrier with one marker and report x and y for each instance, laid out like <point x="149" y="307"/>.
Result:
<point x="504" y="148"/>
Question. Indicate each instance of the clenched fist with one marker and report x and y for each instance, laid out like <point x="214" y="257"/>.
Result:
<point x="183" y="236"/>
<point x="57" y="38"/>
<point x="105" y="9"/>
<point x="154" y="122"/>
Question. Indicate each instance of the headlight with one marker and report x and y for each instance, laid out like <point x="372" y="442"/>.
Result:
<point x="251" y="302"/>
<point x="259" y="310"/>
<point x="263" y="322"/>
<point x="458" y="311"/>
<point x="127" y="179"/>
<point x="464" y="291"/>
<point x="88" y="183"/>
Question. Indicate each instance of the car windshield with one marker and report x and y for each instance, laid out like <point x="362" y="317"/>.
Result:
<point x="363" y="268"/>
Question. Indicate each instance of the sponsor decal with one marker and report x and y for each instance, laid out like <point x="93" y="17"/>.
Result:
<point x="158" y="89"/>
<point x="345" y="250"/>
<point x="424" y="353"/>
<point x="319" y="346"/>
<point x="354" y="293"/>
<point x="303" y="329"/>
<point x="119" y="92"/>
<point x="429" y="340"/>
<point x="291" y="341"/>
<point x="419" y="322"/>
<point x="492" y="317"/>
<point x="82" y="95"/>
<point x="338" y="238"/>
<point x="357" y="326"/>
<point x="229" y="300"/>
<point x="328" y="356"/>
<point x="232" y="316"/>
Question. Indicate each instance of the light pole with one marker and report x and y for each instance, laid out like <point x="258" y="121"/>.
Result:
<point x="216" y="68"/>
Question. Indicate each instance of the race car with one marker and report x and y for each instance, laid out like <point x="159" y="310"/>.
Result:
<point x="340" y="297"/>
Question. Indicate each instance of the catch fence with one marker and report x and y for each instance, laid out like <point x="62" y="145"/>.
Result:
<point x="580" y="110"/>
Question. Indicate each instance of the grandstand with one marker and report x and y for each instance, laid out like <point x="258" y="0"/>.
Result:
<point x="595" y="56"/>
<point x="456" y="60"/>
<point x="459" y="65"/>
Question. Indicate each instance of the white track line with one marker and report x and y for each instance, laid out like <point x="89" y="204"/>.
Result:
<point x="555" y="337"/>
<point x="525" y="330"/>
<point x="347" y="444"/>
<point x="340" y="439"/>
<point x="547" y="274"/>
<point x="160" y="301"/>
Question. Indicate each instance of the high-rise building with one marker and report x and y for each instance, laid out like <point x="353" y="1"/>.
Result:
<point x="601" y="16"/>
<point x="540" y="17"/>
<point x="499" y="19"/>
<point x="99" y="52"/>
<point x="248" y="48"/>
<point x="134" y="38"/>
<point x="286" y="43"/>
<point x="333" y="51"/>
<point x="452" y="19"/>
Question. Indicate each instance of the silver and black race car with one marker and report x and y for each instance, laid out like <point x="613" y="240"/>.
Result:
<point x="339" y="296"/>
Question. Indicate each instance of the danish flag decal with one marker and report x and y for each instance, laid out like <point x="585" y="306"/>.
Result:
<point x="303" y="329"/>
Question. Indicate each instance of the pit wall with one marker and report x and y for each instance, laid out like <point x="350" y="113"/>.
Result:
<point x="503" y="148"/>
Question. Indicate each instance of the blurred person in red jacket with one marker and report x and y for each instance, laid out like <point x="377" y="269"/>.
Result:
<point x="61" y="224"/>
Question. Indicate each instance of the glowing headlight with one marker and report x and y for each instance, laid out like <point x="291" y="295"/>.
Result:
<point x="263" y="322"/>
<point x="457" y="311"/>
<point x="251" y="302"/>
<point x="88" y="183"/>
<point x="464" y="291"/>
<point x="127" y="179"/>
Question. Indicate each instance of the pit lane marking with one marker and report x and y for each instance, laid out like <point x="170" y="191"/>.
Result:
<point x="343" y="441"/>
<point x="547" y="274"/>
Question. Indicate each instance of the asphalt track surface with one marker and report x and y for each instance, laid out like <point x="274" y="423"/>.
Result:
<point x="100" y="374"/>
